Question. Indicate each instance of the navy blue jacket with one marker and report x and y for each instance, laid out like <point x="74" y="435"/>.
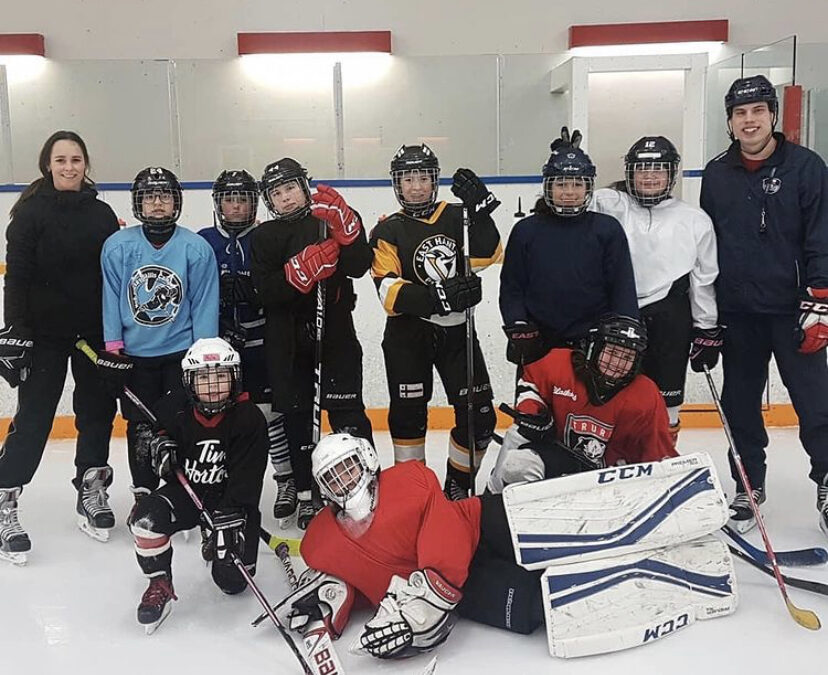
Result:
<point x="763" y="268"/>
<point x="564" y="273"/>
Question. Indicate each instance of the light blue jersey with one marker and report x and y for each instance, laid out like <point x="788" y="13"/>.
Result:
<point x="158" y="301"/>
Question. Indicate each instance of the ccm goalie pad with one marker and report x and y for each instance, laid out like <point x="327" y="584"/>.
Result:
<point x="614" y="511"/>
<point x="635" y="599"/>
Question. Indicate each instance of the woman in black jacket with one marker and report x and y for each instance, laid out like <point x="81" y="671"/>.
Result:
<point x="52" y="297"/>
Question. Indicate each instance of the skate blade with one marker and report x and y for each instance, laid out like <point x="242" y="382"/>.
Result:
<point x="96" y="533"/>
<point x="18" y="558"/>
<point x="742" y="526"/>
<point x="150" y="628"/>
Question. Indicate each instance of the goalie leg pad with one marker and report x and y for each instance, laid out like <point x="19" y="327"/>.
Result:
<point x="614" y="511"/>
<point x="627" y="601"/>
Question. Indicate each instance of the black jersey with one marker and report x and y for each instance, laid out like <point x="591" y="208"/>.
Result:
<point x="412" y="253"/>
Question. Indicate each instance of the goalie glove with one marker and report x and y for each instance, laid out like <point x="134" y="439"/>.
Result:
<point x="320" y="600"/>
<point x="414" y="616"/>
<point x="517" y="462"/>
<point x="813" y="321"/>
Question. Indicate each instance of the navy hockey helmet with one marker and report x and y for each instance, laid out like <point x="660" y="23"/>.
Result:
<point x="754" y="89"/>
<point x="240" y="193"/>
<point x="613" y="351"/>
<point x="283" y="172"/>
<point x="153" y="191"/>
<point x="651" y="155"/>
<point x="567" y="171"/>
<point x="413" y="162"/>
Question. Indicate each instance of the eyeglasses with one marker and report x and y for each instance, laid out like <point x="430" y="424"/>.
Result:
<point x="151" y="197"/>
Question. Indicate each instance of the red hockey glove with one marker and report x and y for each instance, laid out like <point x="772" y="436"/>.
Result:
<point x="313" y="263"/>
<point x="813" y="321"/>
<point x="328" y="205"/>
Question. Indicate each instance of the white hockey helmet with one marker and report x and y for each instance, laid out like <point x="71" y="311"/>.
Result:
<point x="346" y="469"/>
<point x="212" y="375"/>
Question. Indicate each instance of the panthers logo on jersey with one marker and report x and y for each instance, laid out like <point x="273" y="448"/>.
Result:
<point x="588" y="436"/>
<point x="155" y="295"/>
<point x="435" y="259"/>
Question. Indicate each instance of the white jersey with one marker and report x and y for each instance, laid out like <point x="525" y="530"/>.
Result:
<point x="667" y="241"/>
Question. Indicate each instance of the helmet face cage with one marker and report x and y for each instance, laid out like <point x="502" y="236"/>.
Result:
<point x="213" y="388"/>
<point x="236" y="189"/>
<point x="568" y="184"/>
<point x="346" y="467"/>
<point x="344" y="478"/>
<point x="614" y="352"/>
<point x="152" y="186"/>
<point x="415" y="163"/>
<point x="651" y="197"/>
<point x="284" y="173"/>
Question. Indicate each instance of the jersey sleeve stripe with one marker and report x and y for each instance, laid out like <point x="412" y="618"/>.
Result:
<point x="482" y="263"/>
<point x="386" y="260"/>
<point x="389" y="289"/>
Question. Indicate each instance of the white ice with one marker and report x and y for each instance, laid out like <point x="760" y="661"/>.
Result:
<point x="72" y="608"/>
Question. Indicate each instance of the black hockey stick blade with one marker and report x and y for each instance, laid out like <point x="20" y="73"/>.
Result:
<point x="803" y="584"/>
<point x="804" y="557"/>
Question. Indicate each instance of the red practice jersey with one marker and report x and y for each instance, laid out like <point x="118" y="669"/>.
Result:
<point x="631" y="427"/>
<point x="414" y="527"/>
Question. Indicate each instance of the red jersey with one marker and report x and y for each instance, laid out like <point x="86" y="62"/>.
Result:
<point x="414" y="526"/>
<point x="631" y="427"/>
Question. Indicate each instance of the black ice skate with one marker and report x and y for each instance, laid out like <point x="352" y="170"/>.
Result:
<point x="155" y="603"/>
<point x="456" y="485"/>
<point x="822" y="505"/>
<point x="14" y="542"/>
<point x="285" y="505"/>
<point x="95" y="518"/>
<point x="308" y="508"/>
<point x="741" y="516"/>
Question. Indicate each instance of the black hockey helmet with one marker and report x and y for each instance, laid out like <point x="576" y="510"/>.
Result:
<point x="608" y="369"/>
<point x="417" y="160"/>
<point x="651" y="153"/>
<point x="568" y="166"/>
<point x="754" y="89"/>
<point x="156" y="184"/>
<point x="240" y="186"/>
<point x="281" y="172"/>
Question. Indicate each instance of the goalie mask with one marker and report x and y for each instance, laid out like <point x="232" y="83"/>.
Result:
<point x="415" y="175"/>
<point x="346" y="469"/>
<point x="568" y="181"/>
<point x="212" y="375"/>
<point x="235" y="198"/>
<point x="285" y="190"/>
<point x="651" y="169"/>
<point x="612" y="352"/>
<point x="156" y="199"/>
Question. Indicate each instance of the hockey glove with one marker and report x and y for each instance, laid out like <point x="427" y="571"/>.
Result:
<point x="343" y="223"/>
<point x="235" y="289"/>
<point x="15" y="354"/>
<point x="313" y="263"/>
<point x="565" y="140"/>
<point x="470" y="190"/>
<point x="537" y="428"/>
<point x="236" y="336"/>
<point x="227" y="536"/>
<point x="115" y="369"/>
<point x="456" y="294"/>
<point x="517" y="462"/>
<point x="525" y="344"/>
<point x="813" y="321"/>
<point x="163" y="455"/>
<point x="705" y="346"/>
<point x="414" y="616"/>
<point x="320" y="600"/>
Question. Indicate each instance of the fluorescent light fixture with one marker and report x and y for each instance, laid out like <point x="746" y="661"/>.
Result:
<point x="314" y="72"/>
<point x="22" y="68"/>
<point x="647" y="49"/>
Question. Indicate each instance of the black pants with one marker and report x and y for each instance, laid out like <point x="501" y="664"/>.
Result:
<point x="498" y="591"/>
<point x="749" y="342"/>
<point x="37" y="400"/>
<point x="169" y="510"/>
<point x="151" y="379"/>
<point x="413" y="348"/>
<point x="669" y="327"/>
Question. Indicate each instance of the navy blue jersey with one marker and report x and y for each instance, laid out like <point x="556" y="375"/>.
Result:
<point x="564" y="273"/>
<point x="771" y="227"/>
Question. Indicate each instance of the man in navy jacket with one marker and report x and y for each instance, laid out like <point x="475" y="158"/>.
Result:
<point x="768" y="199"/>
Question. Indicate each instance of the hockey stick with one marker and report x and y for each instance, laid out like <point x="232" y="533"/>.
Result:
<point x="804" y="617"/>
<point x="804" y="557"/>
<point x="321" y="287"/>
<point x="804" y="584"/>
<point x="272" y="541"/>
<point x="469" y="361"/>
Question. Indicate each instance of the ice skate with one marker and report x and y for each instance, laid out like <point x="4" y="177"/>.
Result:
<point x="822" y="505"/>
<point x="741" y="516"/>
<point x="94" y="516"/>
<point x="14" y="542"/>
<point x="285" y="505"/>
<point x="308" y="508"/>
<point x="155" y="603"/>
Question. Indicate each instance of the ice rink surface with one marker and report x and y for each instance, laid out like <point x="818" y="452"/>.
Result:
<point x="72" y="608"/>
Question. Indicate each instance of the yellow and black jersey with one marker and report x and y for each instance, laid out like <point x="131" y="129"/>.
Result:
<point x="412" y="253"/>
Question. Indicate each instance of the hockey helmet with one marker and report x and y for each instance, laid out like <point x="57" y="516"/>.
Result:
<point x="411" y="165"/>
<point x="346" y="468"/>
<point x="567" y="173"/>
<point x="286" y="172"/>
<point x="754" y="89"/>
<point x="648" y="157"/>
<point x="153" y="191"/>
<point x="238" y="188"/>
<point x="613" y="351"/>
<point x="212" y="375"/>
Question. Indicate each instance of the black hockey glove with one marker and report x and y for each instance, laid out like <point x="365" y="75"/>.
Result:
<point x="236" y="336"/>
<point x="235" y="289"/>
<point x="456" y="294"/>
<point x="565" y="140"/>
<point x="228" y="533"/>
<point x="525" y="343"/>
<point x="15" y="354"/>
<point x="537" y="428"/>
<point x="163" y="455"/>
<point x="705" y="346"/>
<point x="114" y="370"/>
<point x="470" y="190"/>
